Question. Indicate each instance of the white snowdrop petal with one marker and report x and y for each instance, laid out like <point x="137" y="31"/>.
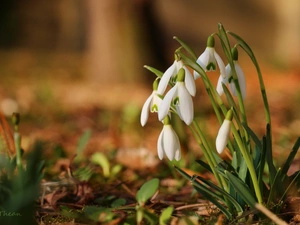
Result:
<point x="164" y="81"/>
<point x="204" y="58"/>
<point x="189" y="82"/>
<point x="186" y="107"/>
<point x="196" y="75"/>
<point x="177" y="154"/>
<point x="166" y="102"/>
<point x="219" y="85"/>
<point x="160" y="149"/>
<point x="169" y="142"/>
<point x="155" y="101"/>
<point x="145" y="110"/>
<point x="241" y="78"/>
<point x="220" y="63"/>
<point x="223" y="135"/>
<point x="231" y="84"/>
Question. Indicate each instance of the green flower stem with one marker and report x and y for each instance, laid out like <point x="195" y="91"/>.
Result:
<point x="250" y="53"/>
<point x="207" y="153"/>
<point x="202" y="142"/>
<point x="227" y="50"/>
<point x="236" y="116"/>
<point x="249" y="163"/>
<point x="212" y="93"/>
<point x="17" y="140"/>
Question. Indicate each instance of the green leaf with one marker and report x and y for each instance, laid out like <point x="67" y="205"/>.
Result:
<point x="186" y="47"/>
<point x="184" y="174"/>
<point x="118" y="202"/>
<point x="262" y="164"/>
<point x="269" y="156"/>
<point x="83" y="140"/>
<point x="224" y="193"/>
<point x="244" y="45"/>
<point x="290" y="158"/>
<point x="93" y="213"/>
<point x="116" y="169"/>
<point x="225" y="42"/>
<point x="100" y="159"/>
<point x="275" y="188"/>
<point x="243" y="170"/>
<point x="151" y="217"/>
<point x="204" y="165"/>
<point x="147" y="190"/>
<point x="253" y="136"/>
<point x="166" y="215"/>
<point x="241" y="188"/>
<point x="207" y="195"/>
<point x="139" y="215"/>
<point x="155" y="71"/>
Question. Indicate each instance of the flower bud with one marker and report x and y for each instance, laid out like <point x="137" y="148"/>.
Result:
<point x="223" y="133"/>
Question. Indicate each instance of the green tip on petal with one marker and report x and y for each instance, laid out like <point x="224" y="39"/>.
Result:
<point x="229" y="115"/>
<point x="167" y="120"/>
<point x="155" y="84"/>
<point x="235" y="54"/>
<point x="210" y="42"/>
<point x="181" y="75"/>
<point x="211" y="66"/>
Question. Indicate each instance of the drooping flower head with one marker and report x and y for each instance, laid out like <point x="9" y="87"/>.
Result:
<point x="151" y="104"/>
<point x="224" y="131"/>
<point x="229" y="77"/>
<point x="179" y="97"/>
<point x="170" y="75"/>
<point x="209" y="59"/>
<point x="168" y="142"/>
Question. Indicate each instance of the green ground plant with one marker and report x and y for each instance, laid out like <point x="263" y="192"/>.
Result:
<point x="250" y="180"/>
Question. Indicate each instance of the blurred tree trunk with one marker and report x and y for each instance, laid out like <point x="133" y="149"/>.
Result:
<point x="111" y="52"/>
<point x="288" y="32"/>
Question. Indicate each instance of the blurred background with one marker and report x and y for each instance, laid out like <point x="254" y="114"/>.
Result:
<point x="71" y="65"/>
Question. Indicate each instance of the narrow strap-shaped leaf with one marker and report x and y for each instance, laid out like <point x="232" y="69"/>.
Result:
<point x="294" y="181"/>
<point x="155" y="71"/>
<point x="275" y="188"/>
<point x="204" y="165"/>
<point x="186" y="47"/>
<point x="252" y="135"/>
<point x="262" y="164"/>
<point x="184" y="174"/>
<point x="257" y="153"/>
<point x="290" y="158"/>
<point x="225" y="42"/>
<point x="224" y="193"/>
<point x="242" y="189"/>
<point x="248" y="50"/>
<point x="269" y="155"/>
<point x="214" y="201"/>
<point x="243" y="171"/>
<point x="208" y="194"/>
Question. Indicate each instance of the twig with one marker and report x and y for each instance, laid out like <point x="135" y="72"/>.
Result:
<point x="269" y="214"/>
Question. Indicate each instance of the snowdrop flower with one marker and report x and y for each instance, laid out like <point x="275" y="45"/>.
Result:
<point x="223" y="134"/>
<point x="151" y="104"/>
<point x="171" y="74"/>
<point x="209" y="59"/>
<point x="168" y="142"/>
<point x="181" y="98"/>
<point x="229" y="78"/>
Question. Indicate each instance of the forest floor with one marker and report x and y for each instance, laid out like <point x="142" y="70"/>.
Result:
<point x="62" y="108"/>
